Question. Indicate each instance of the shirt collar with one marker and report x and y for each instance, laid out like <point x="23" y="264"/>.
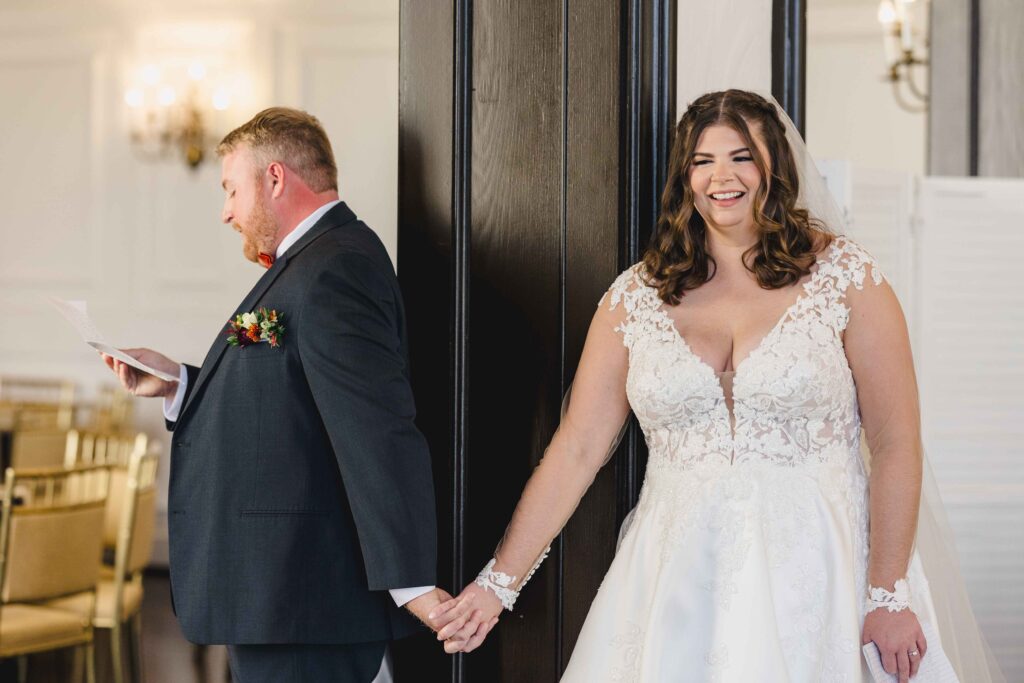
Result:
<point x="303" y="227"/>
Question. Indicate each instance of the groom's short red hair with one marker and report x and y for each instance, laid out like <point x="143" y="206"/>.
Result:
<point x="291" y="137"/>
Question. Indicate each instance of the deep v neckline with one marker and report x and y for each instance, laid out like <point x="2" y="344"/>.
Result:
<point x="805" y="293"/>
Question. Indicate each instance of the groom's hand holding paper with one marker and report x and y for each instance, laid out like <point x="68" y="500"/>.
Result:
<point x="161" y="368"/>
<point x="142" y="382"/>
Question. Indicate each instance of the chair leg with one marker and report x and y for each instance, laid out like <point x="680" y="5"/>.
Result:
<point x="136" y="648"/>
<point x="78" y="663"/>
<point x="90" y="662"/>
<point x="117" y="663"/>
<point x="23" y="669"/>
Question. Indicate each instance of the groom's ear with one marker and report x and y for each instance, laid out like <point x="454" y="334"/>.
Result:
<point x="276" y="174"/>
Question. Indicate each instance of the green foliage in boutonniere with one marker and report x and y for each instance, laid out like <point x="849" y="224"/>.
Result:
<point x="256" y="327"/>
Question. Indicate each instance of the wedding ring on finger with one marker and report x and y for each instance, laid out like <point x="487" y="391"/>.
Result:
<point x="914" y="653"/>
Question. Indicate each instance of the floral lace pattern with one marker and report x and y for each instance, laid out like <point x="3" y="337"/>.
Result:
<point x="730" y="480"/>
<point x="794" y="399"/>
<point x="628" y="645"/>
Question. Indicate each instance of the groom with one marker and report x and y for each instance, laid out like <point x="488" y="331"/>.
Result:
<point x="301" y="507"/>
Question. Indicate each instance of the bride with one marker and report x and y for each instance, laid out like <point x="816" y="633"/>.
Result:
<point x="754" y="346"/>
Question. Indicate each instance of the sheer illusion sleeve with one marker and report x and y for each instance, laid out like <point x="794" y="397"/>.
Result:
<point x="908" y="519"/>
<point x="878" y="350"/>
<point x="594" y="414"/>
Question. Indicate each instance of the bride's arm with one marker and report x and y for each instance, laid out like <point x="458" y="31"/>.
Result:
<point x="878" y="349"/>
<point x="593" y="419"/>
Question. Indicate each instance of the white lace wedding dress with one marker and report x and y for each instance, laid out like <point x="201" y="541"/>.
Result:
<point x="745" y="559"/>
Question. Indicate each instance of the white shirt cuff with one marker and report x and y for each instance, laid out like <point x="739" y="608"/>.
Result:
<point x="172" y="406"/>
<point x="404" y="595"/>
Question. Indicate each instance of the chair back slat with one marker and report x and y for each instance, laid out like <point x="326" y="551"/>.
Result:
<point x="32" y="449"/>
<point x="51" y="531"/>
<point x="53" y="553"/>
<point x="40" y="403"/>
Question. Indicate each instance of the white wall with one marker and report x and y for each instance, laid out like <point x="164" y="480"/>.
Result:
<point x="720" y="45"/>
<point x="142" y="242"/>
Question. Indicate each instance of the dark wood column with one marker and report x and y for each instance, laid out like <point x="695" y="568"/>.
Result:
<point x="789" y="58"/>
<point x="533" y="139"/>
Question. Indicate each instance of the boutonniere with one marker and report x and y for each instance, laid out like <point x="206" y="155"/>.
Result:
<point x="256" y="327"/>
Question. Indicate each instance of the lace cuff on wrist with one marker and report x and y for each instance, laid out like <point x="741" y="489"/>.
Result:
<point x="896" y="601"/>
<point x="501" y="584"/>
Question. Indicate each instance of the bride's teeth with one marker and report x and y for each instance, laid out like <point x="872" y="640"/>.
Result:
<point x="726" y="195"/>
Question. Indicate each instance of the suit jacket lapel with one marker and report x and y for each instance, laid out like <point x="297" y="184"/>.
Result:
<point x="338" y="215"/>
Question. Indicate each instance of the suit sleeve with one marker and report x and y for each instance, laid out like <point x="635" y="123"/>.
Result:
<point x="354" y="363"/>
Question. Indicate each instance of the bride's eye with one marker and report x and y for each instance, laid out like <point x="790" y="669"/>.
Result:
<point x="701" y="162"/>
<point x="743" y="158"/>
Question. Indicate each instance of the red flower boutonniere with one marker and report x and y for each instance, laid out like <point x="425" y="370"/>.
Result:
<point x="256" y="327"/>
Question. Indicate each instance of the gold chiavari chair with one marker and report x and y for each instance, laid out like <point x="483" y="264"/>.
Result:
<point x="127" y="538"/>
<point x="41" y="403"/>
<point x="105" y="448"/>
<point x="41" y="448"/>
<point x="51" y="535"/>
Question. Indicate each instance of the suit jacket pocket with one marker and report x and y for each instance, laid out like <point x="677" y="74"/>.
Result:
<point x="291" y="479"/>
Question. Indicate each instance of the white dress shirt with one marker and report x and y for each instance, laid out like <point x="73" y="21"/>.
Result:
<point x="172" y="405"/>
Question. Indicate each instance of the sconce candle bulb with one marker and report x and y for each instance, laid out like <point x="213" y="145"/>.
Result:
<point x="172" y="117"/>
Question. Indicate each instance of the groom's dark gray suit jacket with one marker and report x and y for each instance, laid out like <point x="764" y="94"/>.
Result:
<point x="301" y="490"/>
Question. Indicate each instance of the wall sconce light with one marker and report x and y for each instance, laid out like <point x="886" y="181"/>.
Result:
<point x="896" y="18"/>
<point x="173" y="113"/>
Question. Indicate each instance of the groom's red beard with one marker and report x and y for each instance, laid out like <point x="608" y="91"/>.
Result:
<point x="260" y="232"/>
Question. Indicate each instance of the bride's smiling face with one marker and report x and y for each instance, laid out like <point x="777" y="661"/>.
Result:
<point x="725" y="178"/>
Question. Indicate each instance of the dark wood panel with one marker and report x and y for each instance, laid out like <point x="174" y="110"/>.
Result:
<point x="515" y="310"/>
<point x="545" y="127"/>
<point x="426" y="261"/>
<point x="593" y="215"/>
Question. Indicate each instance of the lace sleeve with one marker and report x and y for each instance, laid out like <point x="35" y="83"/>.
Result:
<point x="593" y="415"/>
<point x="628" y="296"/>
<point x="850" y="267"/>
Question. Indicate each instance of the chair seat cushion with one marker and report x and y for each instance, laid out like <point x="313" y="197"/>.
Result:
<point x="31" y="628"/>
<point x="130" y="604"/>
<point x="105" y="592"/>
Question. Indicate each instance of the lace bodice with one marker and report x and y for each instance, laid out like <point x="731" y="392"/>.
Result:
<point x="794" y="400"/>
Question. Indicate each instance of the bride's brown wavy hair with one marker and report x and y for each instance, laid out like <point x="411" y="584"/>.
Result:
<point x="677" y="258"/>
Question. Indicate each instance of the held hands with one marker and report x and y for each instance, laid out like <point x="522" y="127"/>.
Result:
<point x="465" y="621"/>
<point x="439" y="611"/>
<point x="899" y="639"/>
<point x="140" y="383"/>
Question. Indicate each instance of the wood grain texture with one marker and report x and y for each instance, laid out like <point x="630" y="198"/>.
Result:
<point x="515" y="359"/>
<point x="425" y="266"/>
<point x="594" y="212"/>
<point x="551" y="186"/>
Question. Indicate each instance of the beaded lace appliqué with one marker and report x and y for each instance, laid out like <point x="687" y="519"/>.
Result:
<point x="895" y="601"/>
